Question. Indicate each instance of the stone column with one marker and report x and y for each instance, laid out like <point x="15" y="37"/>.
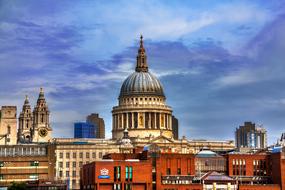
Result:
<point x="133" y="120"/>
<point x="155" y="126"/>
<point x="122" y="118"/>
<point x="127" y="120"/>
<point x="170" y="122"/>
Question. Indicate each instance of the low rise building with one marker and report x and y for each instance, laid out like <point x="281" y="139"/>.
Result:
<point x="259" y="171"/>
<point x="23" y="163"/>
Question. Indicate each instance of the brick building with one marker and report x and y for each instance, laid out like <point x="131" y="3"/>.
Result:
<point x="259" y="171"/>
<point x="127" y="173"/>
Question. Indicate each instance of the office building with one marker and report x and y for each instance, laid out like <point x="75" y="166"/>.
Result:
<point x="175" y="128"/>
<point x="99" y="124"/>
<point x="251" y="136"/>
<point x="84" y="130"/>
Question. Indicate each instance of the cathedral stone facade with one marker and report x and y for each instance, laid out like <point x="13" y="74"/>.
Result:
<point x="34" y="126"/>
<point x="142" y="109"/>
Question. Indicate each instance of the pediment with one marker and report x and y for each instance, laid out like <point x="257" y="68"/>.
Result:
<point x="161" y="139"/>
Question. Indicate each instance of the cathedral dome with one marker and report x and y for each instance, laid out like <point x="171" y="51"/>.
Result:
<point x="141" y="83"/>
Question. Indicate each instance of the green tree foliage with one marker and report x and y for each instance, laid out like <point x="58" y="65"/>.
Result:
<point x="18" y="186"/>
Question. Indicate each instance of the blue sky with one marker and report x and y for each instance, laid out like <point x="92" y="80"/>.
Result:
<point x="221" y="62"/>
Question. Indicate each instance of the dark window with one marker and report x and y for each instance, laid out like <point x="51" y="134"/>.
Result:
<point x="129" y="173"/>
<point x="168" y="171"/>
<point x="68" y="155"/>
<point x="73" y="173"/>
<point x="117" y="173"/>
<point x="117" y="186"/>
<point x="74" y="155"/>
<point x="74" y="164"/>
<point x="128" y="186"/>
<point x="179" y="171"/>
<point x="9" y="130"/>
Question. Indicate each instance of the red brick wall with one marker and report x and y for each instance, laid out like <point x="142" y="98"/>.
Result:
<point x="259" y="187"/>
<point x="248" y="162"/>
<point x="174" y="161"/>
<point x="182" y="187"/>
<point x="141" y="173"/>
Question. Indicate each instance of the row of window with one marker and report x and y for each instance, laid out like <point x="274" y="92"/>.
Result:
<point x="141" y="99"/>
<point x="129" y="173"/>
<point x="67" y="174"/>
<point x="74" y="155"/>
<point x="118" y="186"/>
<point x="22" y="151"/>
<point x="73" y="164"/>
<point x="168" y="171"/>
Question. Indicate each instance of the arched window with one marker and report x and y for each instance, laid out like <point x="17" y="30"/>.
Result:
<point x="42" y="117"/>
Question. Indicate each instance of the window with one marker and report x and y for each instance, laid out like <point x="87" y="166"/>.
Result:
<point x="128" y="186"/>
<point x="74" y="164"/>
<point x="87" y="155"/>
<point x="60" y="164"/>
<point x="100" y="154"/>
<point x="80" y="164"/>
<point x="117" y="173"/>
<point x="81" y="155"/>
<point x="9" y="129"/>
<point x="60" y="173"/>
<point x="129" y="173"/>
<point x="34" y="163"/>
<point x="73" y="182"/>
<point x="67" y="164"/>
<point x="168" y="171"/>
<point x="179" y="171"/>
<point x="67" y="173"/>
<point x="73" y="173"/>
<point x="93" y="154"/>
<point x="1" y="176"/>
<point x="117" y="186"/>
<point x="60" y="155"/>
<point x="67" y="155"/>
<point x="74" y="155"/>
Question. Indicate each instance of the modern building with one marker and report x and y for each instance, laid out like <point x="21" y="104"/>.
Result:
<point x="84" y="130"/>
<point x="27" y="162"/>
<point x="8" y="125"/>
<point x="175" y="128"/>
<point x="99" y="124"/>
<point x="251" y="136"/>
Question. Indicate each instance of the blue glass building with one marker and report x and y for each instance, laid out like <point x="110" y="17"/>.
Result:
<point x="84" y="130"/>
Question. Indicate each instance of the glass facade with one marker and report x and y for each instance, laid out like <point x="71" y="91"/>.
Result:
<point x="84" y="130"/>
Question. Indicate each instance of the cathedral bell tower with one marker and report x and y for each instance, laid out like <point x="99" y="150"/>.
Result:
<point x="25" y="123"/>
<point x="41" y="127"/>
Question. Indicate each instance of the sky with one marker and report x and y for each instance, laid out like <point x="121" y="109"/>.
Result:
<point x="221" y="63"/>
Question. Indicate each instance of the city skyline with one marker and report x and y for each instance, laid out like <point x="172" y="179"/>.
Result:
<point x="218" y="67"/>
